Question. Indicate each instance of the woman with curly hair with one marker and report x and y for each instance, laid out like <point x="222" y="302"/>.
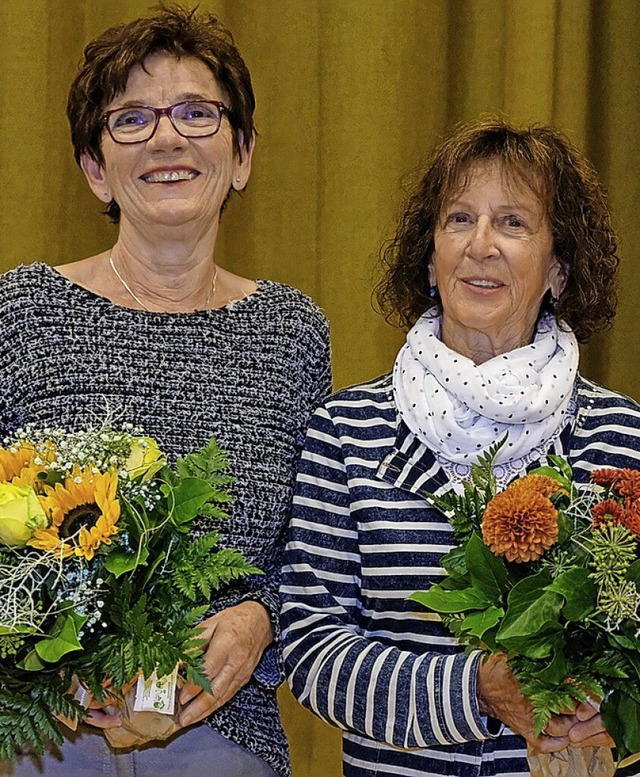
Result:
<point x="503" y="260"/>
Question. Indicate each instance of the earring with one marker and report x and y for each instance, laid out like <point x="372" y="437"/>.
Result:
<point x="238" y="179"/>
<point x="433" y="290"/>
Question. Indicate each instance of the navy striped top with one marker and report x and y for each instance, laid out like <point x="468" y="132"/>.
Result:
<point x="362" y="540"/>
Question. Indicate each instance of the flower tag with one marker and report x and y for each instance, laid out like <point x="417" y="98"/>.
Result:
<point x="156" y="694"/>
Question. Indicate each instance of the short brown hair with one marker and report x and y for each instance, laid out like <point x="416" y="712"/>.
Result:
<point x="109" y="58"/>
<point x="541" y="157"/>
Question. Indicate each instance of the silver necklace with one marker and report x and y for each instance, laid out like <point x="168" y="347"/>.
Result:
<point x="128" y="288"/>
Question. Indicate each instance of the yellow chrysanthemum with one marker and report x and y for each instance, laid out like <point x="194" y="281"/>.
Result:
<point x="84" y="514"/>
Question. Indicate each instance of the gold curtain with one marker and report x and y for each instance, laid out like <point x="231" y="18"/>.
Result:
<point x="351" y="96"/>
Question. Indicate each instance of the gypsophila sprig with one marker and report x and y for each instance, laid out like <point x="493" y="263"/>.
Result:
<point x="547" y="571"/>
<point x="104" y="572"/>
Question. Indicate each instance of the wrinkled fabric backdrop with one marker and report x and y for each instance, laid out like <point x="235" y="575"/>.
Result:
<point x="351" y="96"/>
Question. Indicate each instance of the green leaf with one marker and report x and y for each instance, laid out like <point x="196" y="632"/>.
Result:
<point x="209" y="464"/>
<point x="629" y="714"/>
<point x="579" y="591"/>
<point x="530" y="624"/>
<point x="63" y="638"/>
<point x="562" y="464"/>
<point x="32" y="662"/>
<point x="119" y="560"/>
<point x="440" y="600"/>
<point x="550" y="472"/>
<point x="478" y="623"/>
<point x="566" y="527"/>
<point x="455" y="563"/>
<point x="190" y="495"/>
<point x="556" y="671"/>
<point x="633" y="573"/>
<point x="488" y="572"/>
<point x="614" y="723"/>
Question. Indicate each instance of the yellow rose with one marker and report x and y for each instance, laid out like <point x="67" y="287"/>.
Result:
<point x="20" y="515"/>
<point x="145" y="458"/>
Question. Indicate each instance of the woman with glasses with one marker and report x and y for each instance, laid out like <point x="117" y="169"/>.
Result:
<point x="152" y="331"/>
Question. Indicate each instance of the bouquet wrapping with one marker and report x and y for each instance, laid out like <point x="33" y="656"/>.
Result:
<point x="103" y="580"/>
<point x="547" y="571"/>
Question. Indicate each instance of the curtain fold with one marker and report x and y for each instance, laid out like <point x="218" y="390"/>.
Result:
<point x="352" y="94"/>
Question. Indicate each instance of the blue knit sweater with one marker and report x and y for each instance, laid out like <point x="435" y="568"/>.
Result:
<point x="249" y="373"/>
<point x="363" y="538"/>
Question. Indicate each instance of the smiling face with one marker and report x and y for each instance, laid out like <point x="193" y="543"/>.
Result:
<point x="169" y="180"/>
<point x="493" y="263"/>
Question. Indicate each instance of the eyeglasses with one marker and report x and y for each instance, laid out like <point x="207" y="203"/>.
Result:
<point x="191" y="119"/>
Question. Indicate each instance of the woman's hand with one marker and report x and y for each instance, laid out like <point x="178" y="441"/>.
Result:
<point x="500" y="696"/>
<point x="96" y="713"/>
<point x="96" y="716"/>
<point x="588" y="729"/>
<point x="237" y="638"/>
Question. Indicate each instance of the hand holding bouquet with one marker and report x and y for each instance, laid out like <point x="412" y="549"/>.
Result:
<point x="101" y="576"/>
<point x="547" y="571"/>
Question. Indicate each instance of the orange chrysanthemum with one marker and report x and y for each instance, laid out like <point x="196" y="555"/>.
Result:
<point x="541" y="484"/>
<point x="632" y="516"/>
<point x="521" y="522"/>
<point x="606" y="476"/>
<point x="84" y="514"/>
<point x="607" y="511"/>
<point x="628" y="483"/>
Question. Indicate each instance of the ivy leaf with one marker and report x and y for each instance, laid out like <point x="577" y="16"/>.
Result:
<point x="119" y="560"/>
<point x="530" y="625"/>
<point x="441" y="600"/>
<point x="488" y="572"/>
<point x="629" y="713"/>
<point x="63" y="638"/>
<point x="633" y="573"/>
<point x="560" y="463"/>
<point x="477" y="624"/>
<point x="579" y="591"/>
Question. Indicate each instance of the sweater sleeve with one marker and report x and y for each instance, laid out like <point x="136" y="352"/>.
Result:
<point x="314" y="379"/>
<point x="352" y="680"/>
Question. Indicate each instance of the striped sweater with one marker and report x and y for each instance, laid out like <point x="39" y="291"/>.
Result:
<point x="362" y="539"/>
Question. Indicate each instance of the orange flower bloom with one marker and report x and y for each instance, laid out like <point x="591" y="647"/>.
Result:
<point x="543" y="485"/>
<point x="632" y="516"/>
<point x="521" y="522"/>
<point x="628" y="483"/>
<point x="607" y="511"/>
<point x="605" y="477"/>
<point x="625" y="481"/>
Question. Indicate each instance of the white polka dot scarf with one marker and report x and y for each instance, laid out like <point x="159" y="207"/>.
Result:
<point x="459" y="409"/>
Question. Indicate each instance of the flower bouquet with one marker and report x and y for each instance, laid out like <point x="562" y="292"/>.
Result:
<point x="102" y="581"/>
<point x="547" y="571"/>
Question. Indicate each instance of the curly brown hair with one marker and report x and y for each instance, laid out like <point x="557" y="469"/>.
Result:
<point x="546" y="162"/>
<point x="109" y="58"/>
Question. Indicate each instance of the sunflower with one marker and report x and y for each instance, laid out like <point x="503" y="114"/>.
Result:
<point x="521" y="522"/>
<point x="17" y="465"/>
<point x="84" y="513"/>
